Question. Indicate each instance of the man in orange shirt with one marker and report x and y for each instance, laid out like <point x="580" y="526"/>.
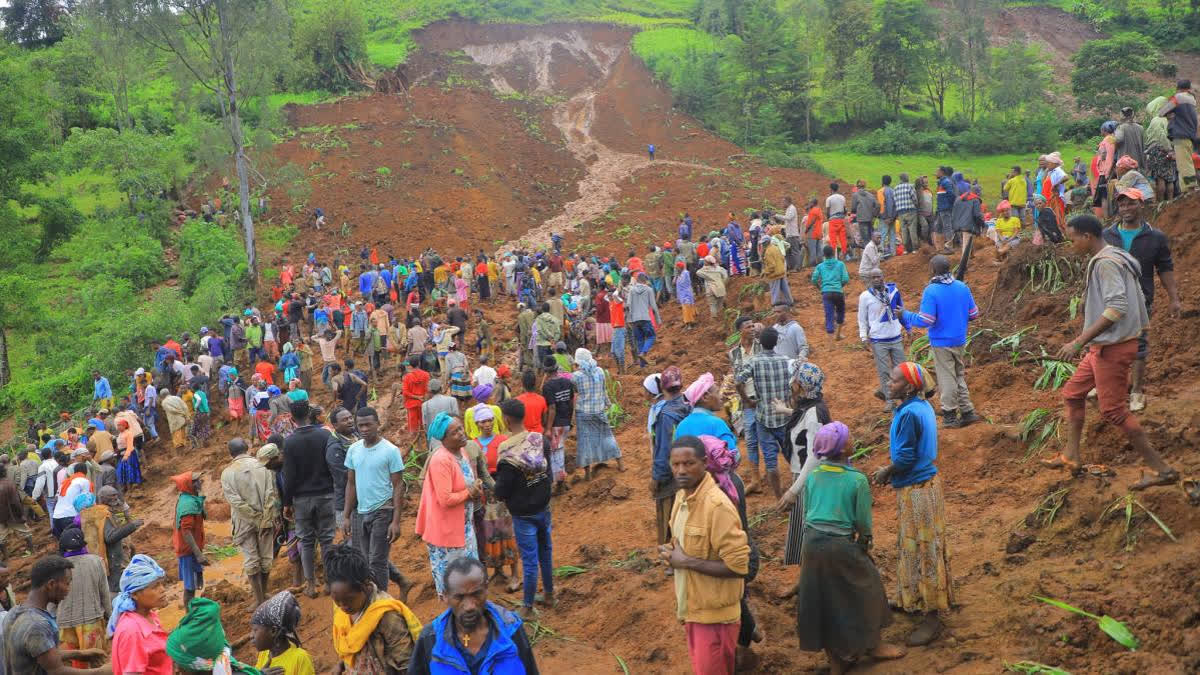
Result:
<point x="634" y="264"/>
<point x="812" y="227"/>
<point x="535" y="403"/>
<point x="413" y="386"/>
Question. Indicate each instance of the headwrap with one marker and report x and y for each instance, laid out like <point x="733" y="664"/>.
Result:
<point x="503" y="370"/>
<point x="1154" y="106"/>
<point x="108" y="491"/>
<point x="1106" y="128"/>
<point x="672" y="378"/>
<point x="916" y="375"/>
<point x="720" y="461"/>
<point x="810" y="377"/>
<point x="281" y="612"/>
<point x="652" y="383"/>
<point x="830" y="441"/>
<point x="483" y="413"/>
<point x="1003" y="205"/>
<point x="199" y="643"/>
<point x="190" y="503"/>
<point x="84" y="500"/>
<point x="141" y="571"/>
<point x="71" y="542"/>
<point x="439" y="425"/>
<point x="482" y="392"/>
<point x="266" y="452"/>
<point x="584" y="360"/>
<point x="1127" y="162"/>
<point x="1055" y="158"/>
<point x="697" y="389"/>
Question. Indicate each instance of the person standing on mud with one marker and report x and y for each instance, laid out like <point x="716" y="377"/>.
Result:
<point x="946" y="308"/>
<point x="791" y="233"/>
<point x="1114" y="316"/>
<point x="650" y="150"/>
<point x="923" y="564"/>
<point x="643" y="316"/>
<point x="308" y="490"/>
<point x="1153" y="252"/>
<point x="249" y="487"/>
<point x="710" y="563"/>
<point x="769" y="373"/>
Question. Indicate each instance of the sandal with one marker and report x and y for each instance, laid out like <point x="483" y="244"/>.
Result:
<point x="1099" y="470"/>
<point x="1060" y="461"/>
<point x="1192" y="488"/>
<point x="1156" y="479"/>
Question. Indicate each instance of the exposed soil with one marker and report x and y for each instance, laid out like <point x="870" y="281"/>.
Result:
<point x="623" y="605"/>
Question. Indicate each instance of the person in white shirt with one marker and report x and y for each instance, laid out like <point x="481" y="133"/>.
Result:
<point x="46" y="484"/>
<point x="64" y="509"/>
<point x="870" y="257"/>
<point x="792" y="342"/>
<point x="880" y="321"/>
<point x="791" y="232"/>
<point x="484" y="374"/>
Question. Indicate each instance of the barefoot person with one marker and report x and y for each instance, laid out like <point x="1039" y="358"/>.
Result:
<point x="1114" y="315"/>
<point x="923" y="563"/>
<point x="710" y="554"/>
<point x="841" y="607"/>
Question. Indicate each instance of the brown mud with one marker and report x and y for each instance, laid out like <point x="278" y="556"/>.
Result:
<point x="623" y="605"/>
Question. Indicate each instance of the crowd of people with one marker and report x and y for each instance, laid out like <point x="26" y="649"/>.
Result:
<point x="487" y="426"/>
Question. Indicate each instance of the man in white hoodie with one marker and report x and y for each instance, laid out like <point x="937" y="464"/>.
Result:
<point x="880" y="320"/>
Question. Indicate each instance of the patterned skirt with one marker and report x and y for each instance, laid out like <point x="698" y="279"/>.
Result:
<point x="460" y="385"/>
<point x="201" y="427"/>
<point x="500" y="544"/>
<point x="87" y="636"/>
<point x="1158" y="165"/>
<point x="923" y="566"/>
<point x="604" y="333"/>
<point x="262" y="424"/>
<point x="440" y="556"/>
<point x="283" y="425"/>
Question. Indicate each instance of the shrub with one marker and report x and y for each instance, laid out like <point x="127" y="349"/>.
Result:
<point x="208" y="251"/>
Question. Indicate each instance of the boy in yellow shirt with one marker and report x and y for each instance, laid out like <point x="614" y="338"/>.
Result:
<point x="1017" y="191"/>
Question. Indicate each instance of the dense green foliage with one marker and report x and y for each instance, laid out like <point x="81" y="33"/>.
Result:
<point x="1106" y="71"/>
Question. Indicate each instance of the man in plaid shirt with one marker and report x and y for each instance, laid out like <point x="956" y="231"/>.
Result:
<point x="906" y="212"/>
<point x="772" y="380"/>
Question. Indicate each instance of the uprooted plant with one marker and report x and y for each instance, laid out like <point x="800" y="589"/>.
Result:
<point x="1125" y="505"/>
<point x="1055" y="374"/>
<point x="1039" y="426"/>
<point x="1111" y="627"/>
<point x="1012" y="343"/>
<point x="1051" y="274"/>
<point x="1047" y="509"/>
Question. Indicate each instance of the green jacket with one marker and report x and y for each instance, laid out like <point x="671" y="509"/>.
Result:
<point x="831" y="275"/>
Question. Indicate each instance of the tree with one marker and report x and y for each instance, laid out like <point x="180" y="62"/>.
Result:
<point x="216" y="41"/>
<point x="144" y="165"/>
<point x="899" y="42"/>
<point x="969" y="49"/>
<point x="940" y="71"/>
<point x="846" y="19"/>
<point x="327" y="39"/>
<point x="106" y="27"/>
<point x="33" y="23"/>
<point x="1017" y="76"/>
<point x="1105" y="77"/>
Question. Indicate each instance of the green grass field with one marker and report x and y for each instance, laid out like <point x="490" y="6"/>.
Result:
<point x="990" y="169"/>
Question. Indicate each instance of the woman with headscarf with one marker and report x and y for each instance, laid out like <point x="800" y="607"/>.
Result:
<point x="83" y="613"/>
<point x="493" y="523"/>
<point x="280" y="419"/>
<point x="807" y="413"/>
<point x="594" y="439"/>
<point x="129" y="467"/>
<point x="261" y="403"/>
<point x="841" y="607"/>
<point x="177" y="417"/>
<point x="704" y="396"/>
<point x="201" y="419"/>
<point x="1129" y="177"/>
<point x="685" y="295"/>
<point x="188" y="536"/>
<point x="1160" y="162"/>
<point x="139" y="643"/>
<point x="296" y="390"/>
<point x="198" y="644"/>
<point x="273" y="629"/>
<point x="289" y="363"/>
<point x="445" y="517"/>
<point x="734" y="239"/>
<point x="483" y="398"/>
<point x="923" y="563"/>
<point x="1054" y="185"/>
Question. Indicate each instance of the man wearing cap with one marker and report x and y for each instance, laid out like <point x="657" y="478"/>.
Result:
<point x="1152" y="250"/>
<point x="249" y="487"/>
<point x="107" y="473"/>
<point x="1181" y="129"/>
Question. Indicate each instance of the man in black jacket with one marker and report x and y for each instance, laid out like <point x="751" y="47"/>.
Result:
<point x="308" y="490"/>
<point x="523" y="484"/>
<point x="1152" y="250"/>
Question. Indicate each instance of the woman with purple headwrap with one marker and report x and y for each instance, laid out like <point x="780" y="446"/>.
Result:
<point x="841" y="607"/>
<point x="482" y="394"/>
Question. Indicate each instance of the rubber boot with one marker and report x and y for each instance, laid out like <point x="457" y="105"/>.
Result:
<point x="773" y="481"/>
<point x="950" y="420"/>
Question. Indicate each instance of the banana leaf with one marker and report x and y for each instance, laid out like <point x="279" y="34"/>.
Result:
<point x="1111" y="627"/>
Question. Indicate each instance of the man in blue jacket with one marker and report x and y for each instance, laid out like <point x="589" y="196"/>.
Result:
<point x="946" y="308"/>
<point x="473" y="635"/>
<point x="665" y="415"/>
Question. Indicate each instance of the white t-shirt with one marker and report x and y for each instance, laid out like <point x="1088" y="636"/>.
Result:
<point x="791" y="226"/>
<point x="835" y="205"/>
<point x="65" y="506"/>
<point x="484" y="375"/>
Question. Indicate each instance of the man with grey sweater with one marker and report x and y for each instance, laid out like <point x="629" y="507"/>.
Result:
<point x="640" y="306"/>
<point x="1114" y="315"/>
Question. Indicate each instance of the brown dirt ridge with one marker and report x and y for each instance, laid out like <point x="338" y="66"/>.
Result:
<point x="519" y="172"/>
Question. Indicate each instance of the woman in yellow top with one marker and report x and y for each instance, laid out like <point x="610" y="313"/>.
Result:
<point x="1007" y="230"/>
<point x="273" y="627"/>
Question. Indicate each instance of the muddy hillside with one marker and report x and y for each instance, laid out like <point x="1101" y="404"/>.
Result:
<point x="508" y="133"/>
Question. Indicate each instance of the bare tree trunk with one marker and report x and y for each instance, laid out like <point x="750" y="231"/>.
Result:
<point x="239" y="141"/>
<point x="5" y="372"/>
